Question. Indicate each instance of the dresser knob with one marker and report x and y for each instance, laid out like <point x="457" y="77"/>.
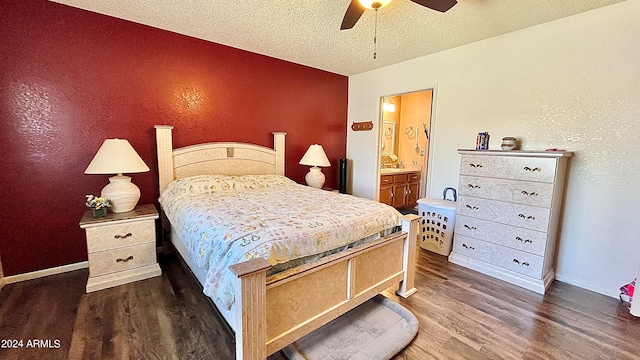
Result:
<point x="532" y="170"/>
<point x="123" y="236"/>
<point x="125" y="260"/>
<point x="474" y="186"/>
<point x="475" y="165"/>
<point x="530" y="217"/>
<point x="468" y="247"/>
<point x="472" y="207"/>
<point x="529" y="193"/>
<point x="469" y="227"/>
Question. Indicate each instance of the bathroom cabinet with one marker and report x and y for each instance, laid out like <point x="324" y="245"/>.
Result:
<point x="400" y="189"/>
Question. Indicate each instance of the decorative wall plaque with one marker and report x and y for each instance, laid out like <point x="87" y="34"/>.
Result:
<point x="362" y="126"/>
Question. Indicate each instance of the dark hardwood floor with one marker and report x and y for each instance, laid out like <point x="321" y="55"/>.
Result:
<point x="463" y="315"/>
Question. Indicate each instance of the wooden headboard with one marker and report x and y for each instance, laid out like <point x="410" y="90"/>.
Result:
<point x="216" y="158"/>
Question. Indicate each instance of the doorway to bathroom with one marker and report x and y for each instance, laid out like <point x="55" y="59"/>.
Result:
<point x="404" y="142"/>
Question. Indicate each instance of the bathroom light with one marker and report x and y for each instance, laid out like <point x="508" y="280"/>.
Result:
<point x="388" y="106"/>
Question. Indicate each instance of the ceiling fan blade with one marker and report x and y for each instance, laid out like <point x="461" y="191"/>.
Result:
<point x="352" y="15"/>
<point x="439" y="5"/>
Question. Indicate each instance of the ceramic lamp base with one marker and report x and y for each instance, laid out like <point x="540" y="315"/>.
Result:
<point x="315" y="178"/>
<point x="124" y="194"/>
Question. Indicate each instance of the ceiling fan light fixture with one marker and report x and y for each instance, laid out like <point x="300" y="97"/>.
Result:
<point x="374" y="4"/>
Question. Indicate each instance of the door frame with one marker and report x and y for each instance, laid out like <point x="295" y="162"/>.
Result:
<point x="425" y="176"/>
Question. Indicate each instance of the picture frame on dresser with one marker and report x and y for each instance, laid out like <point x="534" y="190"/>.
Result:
<point x="508" y="213"/>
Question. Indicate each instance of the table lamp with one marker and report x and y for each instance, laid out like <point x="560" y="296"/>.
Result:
<point x="315" y="157"/>
<point x="117" y="156"/>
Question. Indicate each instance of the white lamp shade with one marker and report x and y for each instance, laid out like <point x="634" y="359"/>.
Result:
<point x="315" y="156"/>
<point x="116" y="156"/>
<point x="369" y="3"/>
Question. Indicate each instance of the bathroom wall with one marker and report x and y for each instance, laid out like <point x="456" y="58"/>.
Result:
<point x="416" y="110"/>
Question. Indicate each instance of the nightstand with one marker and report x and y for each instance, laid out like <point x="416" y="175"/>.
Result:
<point x="121" y="247"/>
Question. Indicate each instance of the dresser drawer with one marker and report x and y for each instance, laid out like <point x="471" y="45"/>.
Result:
<point x="519" y="168"/>
<point x="521" y="192"/>
<point x="530" y="217"/>
<point x="111" y="261"/>
<point x="414" y="177"/>
<point x="531" y="241"/>
<point x="501" y="256"/>
<point x="120" y="235"/>
<point x="386" y="179"/>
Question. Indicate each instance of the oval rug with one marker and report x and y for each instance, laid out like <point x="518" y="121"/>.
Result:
<point x="376" y="330"/>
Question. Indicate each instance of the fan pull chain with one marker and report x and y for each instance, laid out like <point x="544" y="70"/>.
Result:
<point x="375" y="35"/>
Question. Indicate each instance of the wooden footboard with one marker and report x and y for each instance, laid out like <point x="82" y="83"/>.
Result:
<point x="276" y="311"/>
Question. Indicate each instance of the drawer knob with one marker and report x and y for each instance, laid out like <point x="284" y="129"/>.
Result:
<point x="529" y="193"/>
<point x="523" y="263"/>
<point x="472" y="207"/>
<point x="123" y="236"/>
<point x="475" y="165"/>
<point x="474" y="186"/>
<point x="523" y="240"/>
<point x="468" y="247"/>
<point x="532" y="170"/>
<point x="469" y="227"/>
<point x="530" y="217"/>
<point x="125" y="260"/>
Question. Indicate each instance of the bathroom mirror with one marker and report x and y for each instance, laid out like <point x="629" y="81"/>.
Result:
<point x="388" y="142"/>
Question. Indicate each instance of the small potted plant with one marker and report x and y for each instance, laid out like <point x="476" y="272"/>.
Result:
<point x="98" y="205"/>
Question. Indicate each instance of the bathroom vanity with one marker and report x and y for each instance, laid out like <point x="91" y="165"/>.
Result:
<point x="400" y="188"/>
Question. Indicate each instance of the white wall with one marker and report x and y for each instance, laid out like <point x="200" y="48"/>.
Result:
<point x="572" y="84"/>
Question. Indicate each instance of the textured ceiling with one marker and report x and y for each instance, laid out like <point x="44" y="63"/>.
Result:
<point x="307" y="31"/>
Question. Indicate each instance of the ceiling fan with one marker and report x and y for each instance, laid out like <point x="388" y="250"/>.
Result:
<point x="357" y="7"/>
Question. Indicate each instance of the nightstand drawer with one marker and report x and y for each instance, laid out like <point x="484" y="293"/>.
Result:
<point x="120" y="235"/>
<point x="106" y="262"/>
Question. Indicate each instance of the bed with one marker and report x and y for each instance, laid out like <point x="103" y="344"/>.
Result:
<point x="270" y="309"/>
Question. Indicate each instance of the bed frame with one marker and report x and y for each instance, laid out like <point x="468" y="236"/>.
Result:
<point x="272" y="312"/>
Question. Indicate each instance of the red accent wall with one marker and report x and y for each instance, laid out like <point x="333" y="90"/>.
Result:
<point x="71" y="78"/>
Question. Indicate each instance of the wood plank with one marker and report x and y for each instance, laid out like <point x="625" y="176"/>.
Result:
<point x="462" y="315"/>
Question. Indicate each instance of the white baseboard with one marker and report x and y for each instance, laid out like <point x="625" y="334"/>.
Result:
<point x="45" y="272"/>
<point x="588" y="286"/>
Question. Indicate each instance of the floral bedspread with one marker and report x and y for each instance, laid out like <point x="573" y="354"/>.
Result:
<point x="223" y="220"/>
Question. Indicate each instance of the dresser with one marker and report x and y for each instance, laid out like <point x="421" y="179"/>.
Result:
<point x="121" y="247"/>
<point x="508" y="212"/>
